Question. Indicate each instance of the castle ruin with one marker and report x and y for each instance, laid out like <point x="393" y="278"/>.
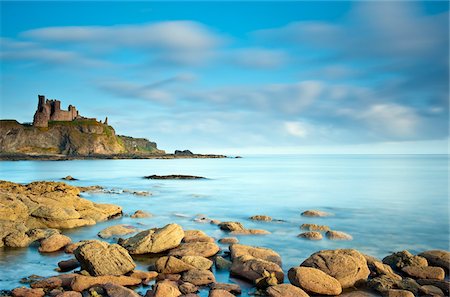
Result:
<point x="50" y="110"/>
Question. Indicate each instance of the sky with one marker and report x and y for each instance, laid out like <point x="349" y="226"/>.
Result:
<point x="238" y="77"/>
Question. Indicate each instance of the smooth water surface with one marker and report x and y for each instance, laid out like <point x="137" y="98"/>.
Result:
<point x="386" y="202"/>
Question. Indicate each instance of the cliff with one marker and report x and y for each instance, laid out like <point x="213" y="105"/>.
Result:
<point x="71" y="138"/>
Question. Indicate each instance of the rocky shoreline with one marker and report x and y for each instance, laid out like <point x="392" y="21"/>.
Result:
<point x="185" y="261"/>
<point x="61" y="157"/>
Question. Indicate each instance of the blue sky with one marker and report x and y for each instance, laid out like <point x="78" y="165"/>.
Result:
<point x="238" y="77"/>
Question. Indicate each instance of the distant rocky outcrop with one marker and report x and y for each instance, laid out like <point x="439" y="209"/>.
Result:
<point x="71" y="138"/>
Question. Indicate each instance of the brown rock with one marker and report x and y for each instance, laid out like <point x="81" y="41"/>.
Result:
<point x="315" y="213"/>
<point x="348" y="266"/>
<point x="314" y="280"/>
<point x="82" y="282"/>
<point x="138" y="214"/>
<point x="172" y="265"/>
<point x="114" y="290"/>
<point x="338" y="235"/>
<point x="250" y="232"/>
<point x="145" y="276"/>
<point x="198" y="262"/>
<point x="155" y="240"/>
<point x="101" y="258"/>
<point x="198" y="277"/>
<point x="285" y="290"/>
<point x="383" y="282"/>
<point x="47" y="283"/>
<point x="116" y="230"/>
<point x="67" y="265"/>
<point x="443" y="285"/>
<point x="70" y="248"/>
<point x="314" y="227"/>
<point x="429" y="272"/>
<point x="253" y="269"/>
<point x="409" y="284"/>
<point x="378" y="268"/>
<point x="165" y="289"/>
<point x="231" y="226"/>
<point x="398" y="293"/>
<point x="404" y="258"/>
<point x="311" y="235"/>
<point x="204" y="249"/>
<point x="187" y="288"/>
<point x="26" y="292"/>
<point x="222" y="263"/>
<point x="261" y="218"/>
<point x="431" y="290"/>
<point x="439" y="258"/>
<point x="69" y="294"/>
<point x="219" y="293"/>
<point x="194" y="233"/>
<point x="17" y="239"/>
<point x="228" y="240"/>
<point x="266" y="254"/>
<point x="198" y="239"/>
<point x="54" y="243"/>
<point x="168" y="276"/>
<point x="232" y="288"/>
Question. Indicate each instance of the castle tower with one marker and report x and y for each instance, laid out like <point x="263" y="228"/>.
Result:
<point x="42" y="114"/>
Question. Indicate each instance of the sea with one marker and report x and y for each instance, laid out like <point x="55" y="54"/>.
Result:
<point x="387" y="203"/>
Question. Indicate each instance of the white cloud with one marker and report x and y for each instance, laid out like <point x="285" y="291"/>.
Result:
<point x="390" y="119"/>
<point x="297" y="129"/>
<point x="259" y="58"/>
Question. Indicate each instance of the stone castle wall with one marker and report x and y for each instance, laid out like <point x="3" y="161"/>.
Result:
<point x="50" y="110"/>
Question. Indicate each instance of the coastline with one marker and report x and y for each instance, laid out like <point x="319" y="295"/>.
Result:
<point x="61" y="157"/>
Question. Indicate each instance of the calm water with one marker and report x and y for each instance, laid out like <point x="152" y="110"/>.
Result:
<point x="386" y="202"/>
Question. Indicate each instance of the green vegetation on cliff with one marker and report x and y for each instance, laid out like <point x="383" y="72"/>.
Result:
<point x="72" y="138"/>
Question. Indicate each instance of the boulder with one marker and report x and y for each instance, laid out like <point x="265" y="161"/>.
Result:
<point x="443" y="285"/>
<point x="198" y="277"/>
<point x="219" y="293"/>
<point x="54" y="243"/>
<point x="155" y="240"/>
<point x="383" y="283"/>
<point x="311" y="235"/>
<point x="165" y="288"/>
<point x="69" y="294"/>
<point x="100" y="258"/>
<point x="314" y="227"/>
<point x="439" y="258"/>
<point x="222" y="264"/>
<point x="198" y="239"/>
<point x="114" y="290"/>
<point x="398" y="293"/>
<point x="314" y="281"/>
<point x="171" y="265"/>
<point x="138" y="214"/>
<point x="41" y="233"/>
<point x="204" y="249"/>
<point x="67" y="265"/>
<point x="252" y="269"/>
<point x="427" y="272"/>
<point x="145" y="276"/>
<point x="250" y="232"/>
<point x="27" y="292"/>
<point x="47" y="283"/>
<point x="69" y="177"/>
<point x="315" y="213"/>
<point x="338" y="235"/>
<point x="431" y="290"/>
<point x="82" y="282"/>
<point x="187" y="288"/>
<point x="232" y="288"/>
<point x="404" y="258"/>
<point x="198" y="262"/>
<point x="231" y="226"/>
<point x="70" y="248"/>
<point x="116" y="230"/>
<point x="261" y="218"/>
<point x="285" y="290"/>
<point x="17" y="239"/>
<point x="228" y="240"/>
<point x="266" y="254"/>
<point x="348" y="266"/>
<point x="378" y="268"/>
